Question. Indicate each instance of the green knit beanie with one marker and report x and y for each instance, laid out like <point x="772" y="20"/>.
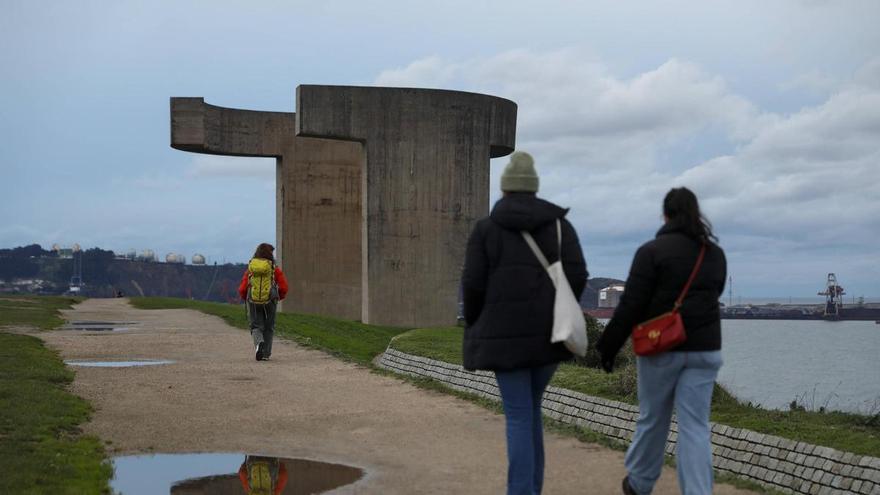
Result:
<point x="519" y="175"/>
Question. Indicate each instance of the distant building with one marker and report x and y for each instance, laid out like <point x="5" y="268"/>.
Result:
<point x="609" y="297"/>
<point x="66" y="252"/>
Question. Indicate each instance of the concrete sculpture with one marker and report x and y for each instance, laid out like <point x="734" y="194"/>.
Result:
<point x="377" y="190"/>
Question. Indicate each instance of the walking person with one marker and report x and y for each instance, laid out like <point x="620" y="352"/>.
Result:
<point x="508" y="310"/>
<point x="683" y="376"/>
<point x="262" y="286"/>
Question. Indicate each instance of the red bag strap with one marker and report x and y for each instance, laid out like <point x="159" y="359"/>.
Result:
<point x="692" y="277"/>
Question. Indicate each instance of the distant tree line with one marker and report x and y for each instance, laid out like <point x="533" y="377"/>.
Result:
<point x="27" y="262"/>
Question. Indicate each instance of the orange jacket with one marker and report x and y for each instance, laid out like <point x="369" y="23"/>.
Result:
<point x="280" y="279"/>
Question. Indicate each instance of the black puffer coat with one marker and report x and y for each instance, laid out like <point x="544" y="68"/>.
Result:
<point x="659" y="270"/>
<point x="508" y="296"/>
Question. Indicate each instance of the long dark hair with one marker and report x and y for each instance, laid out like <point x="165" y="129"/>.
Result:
<point x="265" y="250"/>
<point x="682" y="211"/>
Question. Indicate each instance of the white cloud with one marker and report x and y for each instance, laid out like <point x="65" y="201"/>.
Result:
<point x="776" y="184"/>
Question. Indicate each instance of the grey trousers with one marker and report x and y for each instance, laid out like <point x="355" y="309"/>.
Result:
<point x="261" y="319"/>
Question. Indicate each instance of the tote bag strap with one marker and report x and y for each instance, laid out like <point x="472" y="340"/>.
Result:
<point x="535" y="249"/>
<point x="687" y="286"/>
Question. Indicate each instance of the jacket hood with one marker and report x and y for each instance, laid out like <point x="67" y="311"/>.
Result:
<point x="518" y="211"/>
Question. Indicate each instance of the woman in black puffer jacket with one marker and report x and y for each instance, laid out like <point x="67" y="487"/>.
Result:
<point x="685" y="375"/>
<point x="508" y="309"/>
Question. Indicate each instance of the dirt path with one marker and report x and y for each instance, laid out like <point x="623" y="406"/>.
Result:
<point x="303" y="403"/>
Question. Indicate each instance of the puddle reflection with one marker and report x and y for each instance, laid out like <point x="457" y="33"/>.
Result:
<point x="99" y="326"/>
<point x="117" y="364"/>
<point x="227" y="474"/>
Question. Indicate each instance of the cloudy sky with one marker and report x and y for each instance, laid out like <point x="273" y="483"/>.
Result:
<point x="769" y="111"/>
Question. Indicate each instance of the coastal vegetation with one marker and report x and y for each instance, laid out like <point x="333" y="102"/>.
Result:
<point x="42" y="450"/>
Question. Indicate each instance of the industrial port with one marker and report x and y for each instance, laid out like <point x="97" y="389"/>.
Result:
<point x="833" y="309"/>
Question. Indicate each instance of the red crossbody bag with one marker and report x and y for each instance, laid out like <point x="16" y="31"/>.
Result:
<point x="666" y="331"/>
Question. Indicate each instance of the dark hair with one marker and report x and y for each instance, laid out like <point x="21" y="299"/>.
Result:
<point x="264" y="251"/>
<point x="682" y="211"/>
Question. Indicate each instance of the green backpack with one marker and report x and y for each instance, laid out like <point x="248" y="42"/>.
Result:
<point x="261" y="281"/>
<point x="261" y="477"/>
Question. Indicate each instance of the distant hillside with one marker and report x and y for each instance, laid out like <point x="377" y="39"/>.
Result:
<point x="34" y="270"/>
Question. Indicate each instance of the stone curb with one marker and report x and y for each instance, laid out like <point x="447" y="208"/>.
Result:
<point x="775" y="462"/>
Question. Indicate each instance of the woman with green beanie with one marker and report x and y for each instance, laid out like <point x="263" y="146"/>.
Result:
<point x="508" y="310"/>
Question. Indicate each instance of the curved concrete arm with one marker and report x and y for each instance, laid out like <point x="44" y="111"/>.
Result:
<point x="202" y="128"/>
<point x="358" y="113"/>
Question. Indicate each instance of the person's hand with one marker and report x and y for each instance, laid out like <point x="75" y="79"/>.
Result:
<point x="607" y="363"/>
<point x="606" y="359"/>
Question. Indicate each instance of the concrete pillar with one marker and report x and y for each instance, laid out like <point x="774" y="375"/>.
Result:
<point x="425" y="184"/>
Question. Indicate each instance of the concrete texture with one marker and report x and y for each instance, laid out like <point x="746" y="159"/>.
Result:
<point x="426" y="183"/>
<point x="378" y="189"/>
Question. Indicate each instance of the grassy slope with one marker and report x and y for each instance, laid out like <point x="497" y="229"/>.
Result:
<point x="349" y="340"/>
<point x="41" y="450"/>
<point x="40" y="312"/>
<point x="842" y="431"/>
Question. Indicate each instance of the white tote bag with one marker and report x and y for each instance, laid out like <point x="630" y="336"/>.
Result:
<point x="569" y="325"/>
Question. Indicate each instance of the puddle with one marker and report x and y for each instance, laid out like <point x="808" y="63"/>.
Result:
<point x="117" y="364"/>
<point x="203" y="474"/>
<point x="86" y="323"/>
<point x="99" y="326"/>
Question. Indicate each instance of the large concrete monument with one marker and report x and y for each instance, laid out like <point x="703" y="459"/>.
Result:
<point x="377" y="190"/>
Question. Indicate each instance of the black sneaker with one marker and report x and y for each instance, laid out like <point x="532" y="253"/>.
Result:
<point x="627" y="488"/>
<point x="259" y="352"/>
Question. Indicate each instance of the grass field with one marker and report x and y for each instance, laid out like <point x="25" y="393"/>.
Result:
<point x="41" y="448"/>
<point x="348" y="340"/>
<point x="39" y="312"/>
<point x="848" y="432"/>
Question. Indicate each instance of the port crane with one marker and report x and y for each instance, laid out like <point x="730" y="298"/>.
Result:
<point x="833" y="298"/>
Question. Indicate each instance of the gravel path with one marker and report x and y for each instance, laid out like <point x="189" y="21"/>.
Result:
<point x="302" y="403"/>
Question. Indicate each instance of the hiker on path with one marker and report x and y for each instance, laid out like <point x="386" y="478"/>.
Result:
<point x="508" y="310"/>
<point x="262" y="286"/>
<point x="261" y="475"/>
<point x="683" y="376"/>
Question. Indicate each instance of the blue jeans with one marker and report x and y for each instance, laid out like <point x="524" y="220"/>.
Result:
<point x="685" y="380"/>
<point x="521" y="393"/>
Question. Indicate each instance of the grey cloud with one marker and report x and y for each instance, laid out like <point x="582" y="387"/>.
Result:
<point x="800" y="183"/>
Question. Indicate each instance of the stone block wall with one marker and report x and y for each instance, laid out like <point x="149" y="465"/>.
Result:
<point x="785" y="465"/>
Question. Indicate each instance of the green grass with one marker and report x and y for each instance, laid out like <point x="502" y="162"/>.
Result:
<point x="348" y="340"/>
<point x="41" y="448"/>
<point x="34" y="311"/>
<point x="848" y="432"/>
